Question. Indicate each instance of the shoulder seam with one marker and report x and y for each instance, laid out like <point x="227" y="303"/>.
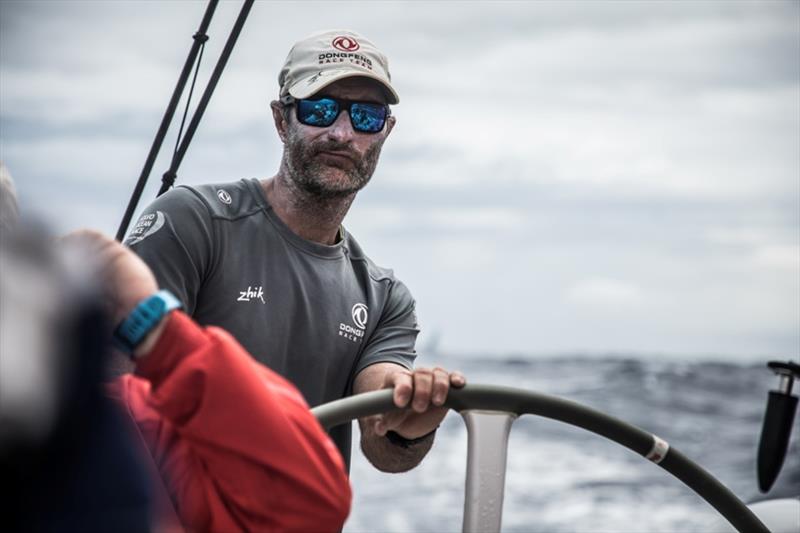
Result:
<point x="211" y="214"/>
<point x="246" y="214"/>
<point x="213" y="259"/>
<point x="200" y="197"/>
<point x="383" y="277"/>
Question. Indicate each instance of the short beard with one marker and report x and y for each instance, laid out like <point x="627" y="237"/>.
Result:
<point x="307" y="173"/>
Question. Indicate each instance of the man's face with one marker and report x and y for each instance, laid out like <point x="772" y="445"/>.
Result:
<point x="335" y="161"/>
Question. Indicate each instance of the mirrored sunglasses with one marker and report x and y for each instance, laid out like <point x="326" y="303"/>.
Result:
<point x="365" y="117"/>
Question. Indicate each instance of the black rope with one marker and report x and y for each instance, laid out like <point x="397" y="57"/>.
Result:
<point x="191" y="89"/>
<point x="199" y="39"/>
<point x="169" y="176"/>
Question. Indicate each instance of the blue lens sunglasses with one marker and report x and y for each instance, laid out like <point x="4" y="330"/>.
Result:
<point x="365" y="117"/>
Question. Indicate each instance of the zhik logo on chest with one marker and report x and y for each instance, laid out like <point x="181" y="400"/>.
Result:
<point x="251" y="294"/>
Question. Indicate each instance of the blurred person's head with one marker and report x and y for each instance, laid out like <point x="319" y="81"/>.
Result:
<point x="64" y="449"/>
<point x="52" y="336"/>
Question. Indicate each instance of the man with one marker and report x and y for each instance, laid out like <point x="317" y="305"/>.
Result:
<point x="269" y="260"/>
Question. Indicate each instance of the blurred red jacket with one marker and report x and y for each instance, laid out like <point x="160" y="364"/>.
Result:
<point x="233" y="445"/>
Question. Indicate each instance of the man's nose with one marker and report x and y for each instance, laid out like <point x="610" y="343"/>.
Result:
<point x="341" y="130"/>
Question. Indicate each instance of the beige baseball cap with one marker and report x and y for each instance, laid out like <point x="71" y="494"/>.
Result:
<point x="328" y="56"/>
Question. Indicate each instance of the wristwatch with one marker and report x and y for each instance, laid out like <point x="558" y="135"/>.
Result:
<point x="144" y="317"/>
<point x="399" y="440"/>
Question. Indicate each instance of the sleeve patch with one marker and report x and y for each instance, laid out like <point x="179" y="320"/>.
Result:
<point x="147" y="225"/>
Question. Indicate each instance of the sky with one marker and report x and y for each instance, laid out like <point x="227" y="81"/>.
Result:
<point x="564" y="178"/>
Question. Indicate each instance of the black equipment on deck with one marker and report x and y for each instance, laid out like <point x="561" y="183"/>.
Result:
<point x="778" y="422"/>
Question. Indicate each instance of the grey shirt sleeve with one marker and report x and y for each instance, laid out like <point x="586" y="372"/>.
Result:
<point x="394" y="337"/>
<point x="174" y="237"/>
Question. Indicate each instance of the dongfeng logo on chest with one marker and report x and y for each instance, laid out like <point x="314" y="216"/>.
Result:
<point x="252" y="294"/>
<point x="360" y="314"/>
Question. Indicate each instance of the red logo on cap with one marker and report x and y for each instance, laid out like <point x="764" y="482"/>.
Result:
<point x="346" y="44"/>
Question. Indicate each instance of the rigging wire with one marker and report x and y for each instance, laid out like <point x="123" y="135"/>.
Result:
<point x="168" y="179"/>
<point x="189" y="98"/>
<point x="182" y="142"/>
<point x="199" y="39"/>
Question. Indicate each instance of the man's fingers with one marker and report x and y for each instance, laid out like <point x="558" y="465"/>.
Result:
<point x="457" y="379"/>
<point x="403" y="384"/>
<point x="388" y="421"/>
<point x="378" y="424"/>
<point x="423" y="388"/>
<point x="441" y="384"/>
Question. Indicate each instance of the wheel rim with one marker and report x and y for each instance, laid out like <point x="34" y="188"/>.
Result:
<point x="489" y="412"/>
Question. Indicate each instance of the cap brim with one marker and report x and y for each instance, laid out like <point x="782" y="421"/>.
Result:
<point x="313" y="84"/>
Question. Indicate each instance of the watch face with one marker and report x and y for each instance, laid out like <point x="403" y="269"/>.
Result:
<point x="155" y="305"/>
<point x="144" y="318"/>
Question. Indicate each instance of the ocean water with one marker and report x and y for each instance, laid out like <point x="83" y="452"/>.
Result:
<point x="562" y="478"/>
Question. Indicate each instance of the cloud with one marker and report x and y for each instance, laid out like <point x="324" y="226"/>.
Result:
<point x="608" y="295"/>
<point x="779" y="257"/>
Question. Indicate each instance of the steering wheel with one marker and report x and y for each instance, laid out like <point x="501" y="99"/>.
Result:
<point x="489" y="411"/>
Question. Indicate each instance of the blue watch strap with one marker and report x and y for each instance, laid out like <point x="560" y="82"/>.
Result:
<point x="144" y="317"/>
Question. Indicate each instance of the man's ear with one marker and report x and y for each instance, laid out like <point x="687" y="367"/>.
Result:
<point x="280" y="120"/>
<point x="390" y="124"/>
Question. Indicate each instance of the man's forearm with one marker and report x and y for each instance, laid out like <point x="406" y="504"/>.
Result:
<point x="393" y="457"/>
